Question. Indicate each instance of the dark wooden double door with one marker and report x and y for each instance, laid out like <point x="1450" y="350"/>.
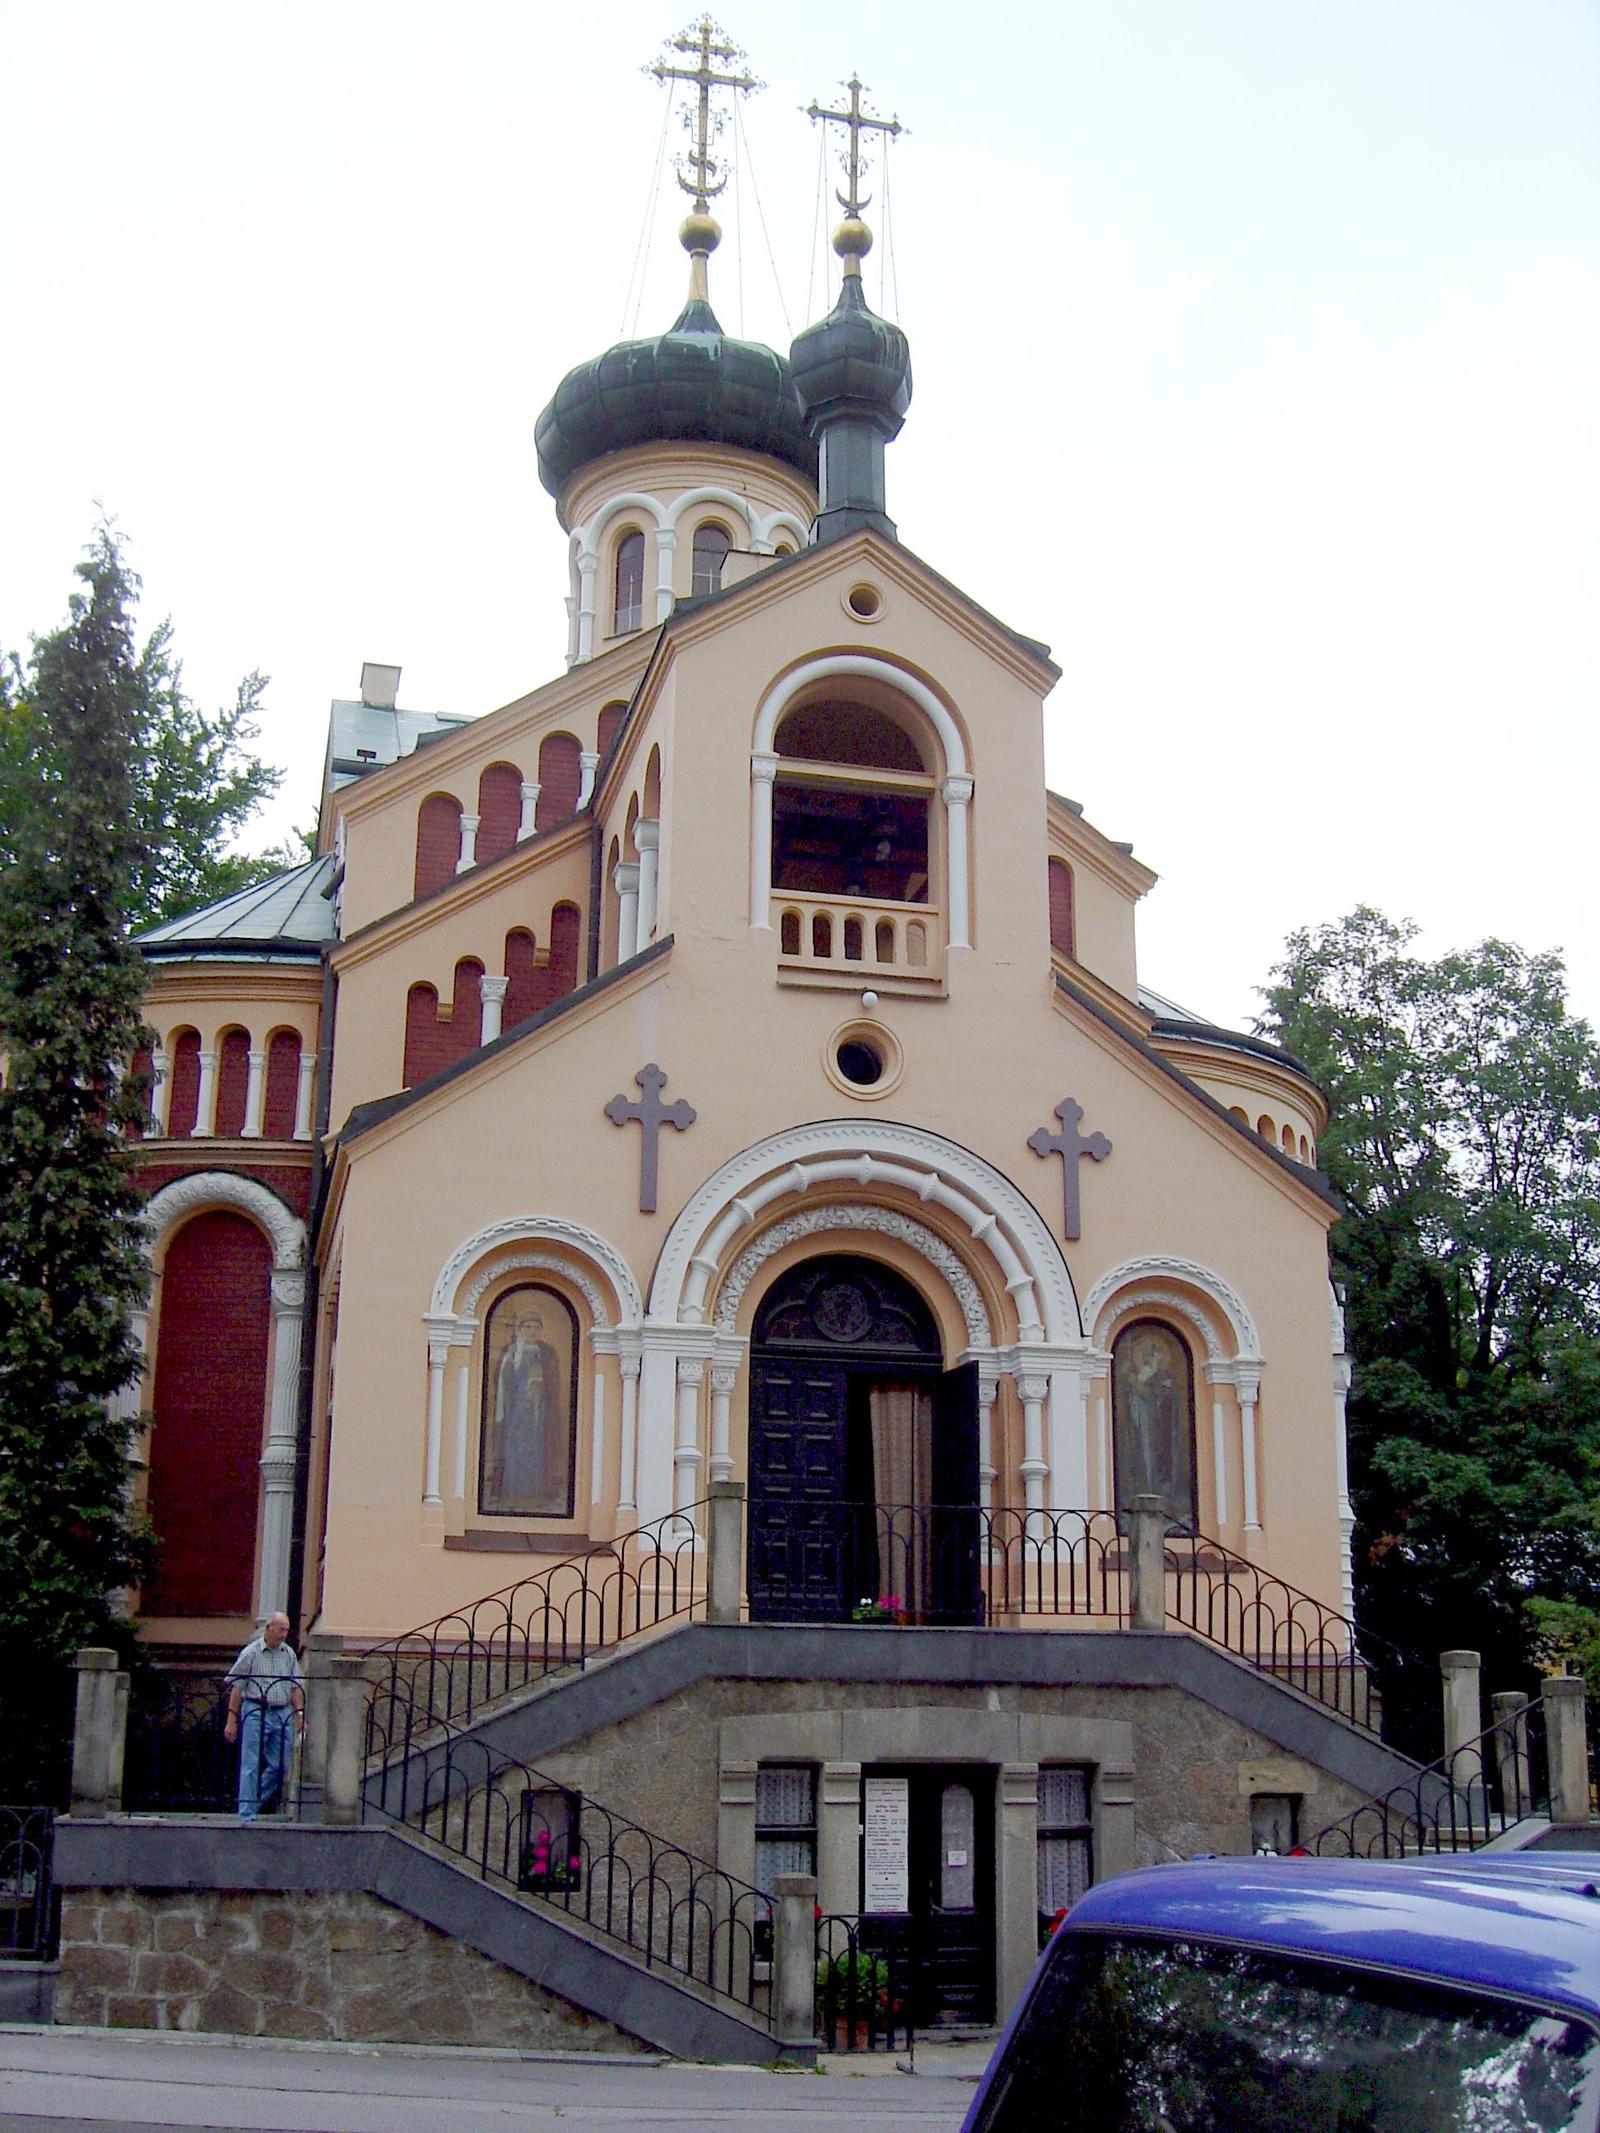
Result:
<point x="941" y="1946"/>
<point x="831" y="1535"/>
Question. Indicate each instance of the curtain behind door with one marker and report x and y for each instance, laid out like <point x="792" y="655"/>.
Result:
<point x="902" y="1470"/>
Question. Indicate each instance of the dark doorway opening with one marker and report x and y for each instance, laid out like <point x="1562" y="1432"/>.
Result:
<point x="932" y="1826"/>
<point x="863" y="1454"/>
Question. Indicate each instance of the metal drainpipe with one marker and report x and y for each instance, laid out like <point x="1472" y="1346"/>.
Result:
<point x="308" y="1338"/>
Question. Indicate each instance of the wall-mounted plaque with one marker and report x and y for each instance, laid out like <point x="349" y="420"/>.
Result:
<point x="885" y="1879"/>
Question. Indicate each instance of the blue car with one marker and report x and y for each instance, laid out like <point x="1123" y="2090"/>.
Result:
<point x="1314" y="1996"/>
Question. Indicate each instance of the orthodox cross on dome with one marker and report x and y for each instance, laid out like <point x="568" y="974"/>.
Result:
<point x="704" y="41"/>
<point x="652" y="1114"/>
<point x="856" y="122"/>
<point x="1070" y="1145"/>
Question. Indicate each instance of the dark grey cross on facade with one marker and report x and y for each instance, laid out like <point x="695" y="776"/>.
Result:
<point x="1070" y="1145"/>
<point x="652" y="1115"/>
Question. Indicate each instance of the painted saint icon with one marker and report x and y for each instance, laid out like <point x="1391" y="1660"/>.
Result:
<point x="1153" y="1413"/>
<point x="529" y="1406"/>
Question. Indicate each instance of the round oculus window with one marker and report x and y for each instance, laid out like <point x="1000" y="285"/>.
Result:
<point x="860" y="1062"/>
<point x="863" y="601"/>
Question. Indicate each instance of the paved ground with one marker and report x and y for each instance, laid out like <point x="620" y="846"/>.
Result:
<point x="57" y="2081"/>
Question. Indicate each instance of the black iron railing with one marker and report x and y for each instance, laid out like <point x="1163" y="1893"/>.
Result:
<point x="867" y="1986"/>
<point x="181" y="1761"/>
<point x="1456" y="1804"/>
<point x="446" y="1670"/>
<point x="511" y="1824"/>
<point x="29" y="1907"/>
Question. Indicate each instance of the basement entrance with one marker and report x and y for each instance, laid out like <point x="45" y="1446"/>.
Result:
<point x="863" y="1454"/>
<point x="927" y="1885"/>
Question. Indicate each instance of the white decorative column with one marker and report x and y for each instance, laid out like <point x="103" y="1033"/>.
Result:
<point x="627" y="881"/>
<point x="686" y="1450"/>
<point x="724" y="1376"/>
<point x="628" y="1440"/>
<point x="666" y="545"/>
<point x="1069" y="1427"/>
<point x="160" y="1091"/>
<point x="1248" y="1383"/>
<point x="469" y="843"/>
<point x="302" y="1094"/>
<point x="439" y="1332"/>
<point x="205" y="1102"/>
<point x="588" y="565"/>
<point x="763" y="775"/>
<point x="570" y="603"/>
<point x="602" y="1343"/>
<point x="277" y="1461"/>
<point x="255" y="1091"/>
<point x="647" y="836"/>
<point x="527" y="822"/>
<point x="588" y="764"/>
<point x="493" y="993"/>
<point x="988" y="1471"/>
<point x="1218" y="1375"/>
<point x="1034" y="1387"/>
<point x="957" y="796"/>
<point x="461" y="1341"/>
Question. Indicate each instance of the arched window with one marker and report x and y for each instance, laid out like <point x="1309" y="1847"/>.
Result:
<point x="438" y="842"/>
<point x="466" y="1008"/>
<point x="1063" y="934"/>
<point x="566" y="927"/>
<point x="560" y="780"/>
<point x="1152" y="1403"/>
<point x="711" y="546"/>
<point x="528" y="1440"/>
<point x="233" y="1082"/>
<point x="283" y="1085"/>
<point x="182" y="1113"/>
<point x="427" y="1040"/>
<point x="836" y="839"/>
<point x="499" y="810"/>
<point x="629" y="605"/>
<point x="610" y="723"/>
<point x="522" y="969"/>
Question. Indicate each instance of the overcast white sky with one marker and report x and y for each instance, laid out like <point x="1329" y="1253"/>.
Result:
<point x="1255" y="346"/>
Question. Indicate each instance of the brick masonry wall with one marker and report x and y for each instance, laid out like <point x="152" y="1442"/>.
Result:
<point x="337" y="1967"/>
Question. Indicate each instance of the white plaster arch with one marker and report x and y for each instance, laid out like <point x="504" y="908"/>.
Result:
<point x="541" y="1263"/>
<point x="777" y="522"/>
<point x="865" y="667"/>
<point x="586" y="538"/>
<point x="534" y="1230"/>
<point x="877" y="1221"/>
<point x="712" y="493"/>
<point x="1142" y="1281"/>
<point x="202" y="1189"/>
<point x="863" y="1153"/>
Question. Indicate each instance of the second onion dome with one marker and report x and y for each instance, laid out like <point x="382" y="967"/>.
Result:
<point x="852" y="371"/>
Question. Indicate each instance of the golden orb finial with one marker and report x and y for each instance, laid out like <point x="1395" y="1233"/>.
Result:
<point x="852" y="239"/>
<point x="700" y="232"/>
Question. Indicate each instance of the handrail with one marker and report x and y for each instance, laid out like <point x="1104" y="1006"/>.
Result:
<point x="1473" y="1793"/>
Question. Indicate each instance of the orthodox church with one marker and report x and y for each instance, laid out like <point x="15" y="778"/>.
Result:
<point x="729" y="1063"/>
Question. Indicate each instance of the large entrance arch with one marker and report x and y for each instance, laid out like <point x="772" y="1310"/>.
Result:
<point x="863" y="1452"/>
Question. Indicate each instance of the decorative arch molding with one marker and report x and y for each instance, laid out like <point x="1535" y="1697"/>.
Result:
<point x="863" y="1153"/>
<point x="541" y="1263"/>
<point x="1138" y="1283"/>
<point x="877" y="1221"/>
<point x="586" y="540"/>
<point x="864" y="667"/>
<point x="203" y="1189"/>
<point x="724" y="499"/>
<point x="531" y="1231"/>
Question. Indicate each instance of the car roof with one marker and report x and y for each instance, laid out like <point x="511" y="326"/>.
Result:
<point x="1513" y="1924"/>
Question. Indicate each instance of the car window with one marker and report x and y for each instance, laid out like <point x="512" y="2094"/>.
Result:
<point x="1130" y="2036"/>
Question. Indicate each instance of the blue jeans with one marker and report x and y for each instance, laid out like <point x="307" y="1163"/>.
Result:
<point x="266" y="1743"/>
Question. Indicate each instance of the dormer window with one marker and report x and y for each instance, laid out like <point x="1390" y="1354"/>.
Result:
<point x="711" y="546"/>
<point x="629" y="607"/>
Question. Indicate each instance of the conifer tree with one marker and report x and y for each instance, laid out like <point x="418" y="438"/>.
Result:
<point x="71" y="1263"/>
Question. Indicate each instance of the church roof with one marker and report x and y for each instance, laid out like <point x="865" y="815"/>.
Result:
<point x="364" y="737"/>
<point x="692" y="384"/>
<point x="288" y="915"/>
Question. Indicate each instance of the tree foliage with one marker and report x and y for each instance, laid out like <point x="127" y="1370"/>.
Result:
<point x="71" y="1263"/>
<point x="1465" y="1140"/>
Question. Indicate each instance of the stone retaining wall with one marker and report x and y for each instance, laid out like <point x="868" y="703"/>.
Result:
<point x="335" y="1966"/>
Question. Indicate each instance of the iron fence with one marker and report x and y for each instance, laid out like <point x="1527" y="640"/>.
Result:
<point x="445" y="1671"/>
<point x="181" y="1761"/>
<point x="1456" y="1804"/>
<point x="868" y="1981"/>
<point x="511" y="1824"/>
<point x="30" y="1908"/>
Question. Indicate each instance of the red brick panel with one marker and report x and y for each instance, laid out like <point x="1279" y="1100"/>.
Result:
<point x="466" y="1008"/>
<point x="233" y="1081"/>
<point x="185" y="1072"/>
<point x="499" y="809"/>
<point x="283" y="1086"/>
<point x="290" y="1181"/>
<point x="438" y="842"/>
<point x="610" y="719"/>
<point x="427" y="1038"/>
<point x="1061" y="912"/>
<point x="525" y="994"/>
<point x="566" y="927"/>
<point x="210" y="1404"/>
<point x="560" y="775"/>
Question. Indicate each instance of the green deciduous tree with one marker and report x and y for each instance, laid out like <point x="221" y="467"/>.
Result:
<point x="71" y="1263"/>
<point x="1465" y="1139"/>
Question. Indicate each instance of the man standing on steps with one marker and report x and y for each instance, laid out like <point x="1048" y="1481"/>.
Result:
<point x="265" y="1680"/>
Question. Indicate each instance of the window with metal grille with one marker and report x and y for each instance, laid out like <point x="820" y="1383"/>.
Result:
<point x="786" y="1820"/>
<point x="1066" y="1865"/>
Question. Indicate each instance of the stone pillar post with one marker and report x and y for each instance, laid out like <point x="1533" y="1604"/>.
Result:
<point x="588" y="566"/>
<point x="588" y="764"/>
<point x="1017" y="1881"/>
<point x="493" y="992"/>
<point x="344" y="1753"/>
<point x="839" y="1839"/>
<point x="1567" y="1737"/>
<point x="794" y="1962"/>
<point x="1147" y="1563"/>
<point x="316" y="1662"/>
<point x="725" y="1551"/>
<point x="647" y="836"/>
<point x="627" y="884"/>
<point x="957" y="796"/>
<point x="99" y="1732"/>
<point x="205" y="1102"/>
<point x="255" y="1091"/>
<point x="528" y="821"/>
<point x="1463" y="1722"/>
<point x="469" y="843"/>
<point x="302" y="1094"/>
<point x="1508" y="1709"/>
<point x="160" y="1091"/>
<point x="763" y="775"/>
<point x="277" y="1461"/>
